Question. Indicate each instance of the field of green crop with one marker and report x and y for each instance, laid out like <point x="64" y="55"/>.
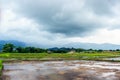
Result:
<point x="57" y="56"/>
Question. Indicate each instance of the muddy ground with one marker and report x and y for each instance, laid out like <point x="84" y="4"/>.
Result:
<point x="62" y="70"/>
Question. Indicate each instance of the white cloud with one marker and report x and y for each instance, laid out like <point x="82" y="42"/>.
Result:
<point x="93" y="27"/>
<point x="101" y="36"/>
<point x="15" y="27"/>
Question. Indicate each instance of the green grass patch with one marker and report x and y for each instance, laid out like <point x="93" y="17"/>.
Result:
<point x="1" y="67"/>
<point x="55" y="56"/>
<point x="4" y="55"/>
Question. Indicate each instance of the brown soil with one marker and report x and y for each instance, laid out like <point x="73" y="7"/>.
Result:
<point x="62" y="70"/>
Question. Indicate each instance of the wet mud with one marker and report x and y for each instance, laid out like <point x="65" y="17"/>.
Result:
<point x="62" y="70"/>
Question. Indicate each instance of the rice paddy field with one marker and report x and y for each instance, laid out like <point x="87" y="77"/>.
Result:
<point x="62" y="66"/>
<point x="59" y="56"/>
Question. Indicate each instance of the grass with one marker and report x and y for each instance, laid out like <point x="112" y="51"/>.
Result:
<point x="1" y="67"/>
<point x="57" y="56"/>
<point x="1" y="64"/>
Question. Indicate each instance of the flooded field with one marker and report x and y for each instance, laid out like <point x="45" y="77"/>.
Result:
<point x="62" y="70"/>
<point x="114" y="59"/>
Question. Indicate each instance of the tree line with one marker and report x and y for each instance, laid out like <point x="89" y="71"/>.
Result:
<point x="11" y="48"/>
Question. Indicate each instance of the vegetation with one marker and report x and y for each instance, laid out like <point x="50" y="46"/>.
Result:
<point x="10" y="48"/>
<point x="1" y="64"/>
<point x="11" y="52"/>
<point x="57" y="56"/>
<point x="1" y="67"/>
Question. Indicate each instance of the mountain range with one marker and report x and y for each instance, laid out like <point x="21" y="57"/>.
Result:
<point x="104" y="46"/>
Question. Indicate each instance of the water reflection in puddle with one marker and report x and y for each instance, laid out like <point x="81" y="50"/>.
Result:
<point x="62" y="70"/>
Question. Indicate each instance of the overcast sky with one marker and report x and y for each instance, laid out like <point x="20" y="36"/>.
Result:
<point x="60" y="21"/>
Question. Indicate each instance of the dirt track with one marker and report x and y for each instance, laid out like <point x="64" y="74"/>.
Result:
<point x="62" y="70"/>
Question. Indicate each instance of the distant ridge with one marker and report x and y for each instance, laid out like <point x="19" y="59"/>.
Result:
<point x="104" y="46"/>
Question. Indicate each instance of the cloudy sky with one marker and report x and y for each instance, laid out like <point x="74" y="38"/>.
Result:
<point x="60" y="21"/>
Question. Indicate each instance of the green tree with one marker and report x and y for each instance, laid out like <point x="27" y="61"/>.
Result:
<point x="19" y="49"/>
<point x="80" y="50"/>
<point x="8" y="47"/>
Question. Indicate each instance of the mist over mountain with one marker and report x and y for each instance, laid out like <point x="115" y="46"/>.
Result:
<point x="104" y="46"/>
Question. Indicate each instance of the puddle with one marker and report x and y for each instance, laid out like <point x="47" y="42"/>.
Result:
<point x="114" y="59"/>
<point x="62" y="70"/>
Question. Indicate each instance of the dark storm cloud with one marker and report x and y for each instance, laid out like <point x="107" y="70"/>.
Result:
<point x="68" y="17"/>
